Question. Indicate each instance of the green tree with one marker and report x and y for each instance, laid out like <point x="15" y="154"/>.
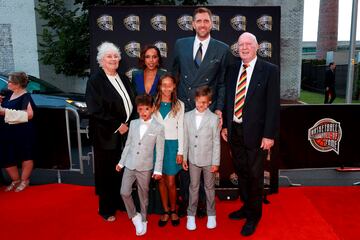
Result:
<point x="65" y="38"/>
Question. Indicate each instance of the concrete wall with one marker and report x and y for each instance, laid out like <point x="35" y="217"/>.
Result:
<point x="291" y="40"/>
<point x="18" y="41"/>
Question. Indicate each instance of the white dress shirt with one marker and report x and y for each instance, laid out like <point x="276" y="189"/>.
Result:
<point x="144" y="125"/>
<point x="198" y="118"/>
<point x="205" y="44"/>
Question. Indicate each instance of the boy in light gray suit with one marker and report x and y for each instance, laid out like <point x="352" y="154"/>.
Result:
<point x="138" y="159"/>
<point x="202" y="149"/>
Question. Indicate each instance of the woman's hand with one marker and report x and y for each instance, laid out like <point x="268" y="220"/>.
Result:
<point x="122" y="129"/>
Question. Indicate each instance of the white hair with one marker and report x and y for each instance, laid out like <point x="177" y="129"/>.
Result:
<point x="104" y="48"/>
<point x="250" y="35"/>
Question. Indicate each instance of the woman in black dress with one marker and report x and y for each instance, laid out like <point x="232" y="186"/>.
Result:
<point x="17" y="132"/>
<point x="110" y="101"/>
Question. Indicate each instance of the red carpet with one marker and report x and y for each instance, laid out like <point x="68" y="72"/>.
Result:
<point x="59" y="211"/>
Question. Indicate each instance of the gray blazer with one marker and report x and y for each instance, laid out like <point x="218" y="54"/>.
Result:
<point x="211" y="71"/>
<point x="138" y="154"/>
<point x="202" y="146"/>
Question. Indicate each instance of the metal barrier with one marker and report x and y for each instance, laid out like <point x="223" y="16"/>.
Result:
<point x="89" y="156"/>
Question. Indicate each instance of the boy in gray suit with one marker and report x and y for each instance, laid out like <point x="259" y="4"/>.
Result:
<point x="138" y="159"/>
<point x="202" y="148"/>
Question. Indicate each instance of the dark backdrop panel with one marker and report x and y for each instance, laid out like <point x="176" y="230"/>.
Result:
<point x="52" y="145"/>
<point x="296" y="149"/>
<point x="121" y="36"/>
<point x="112" y="28"/>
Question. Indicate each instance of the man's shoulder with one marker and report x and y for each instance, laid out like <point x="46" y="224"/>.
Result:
<point x="185" y="40"/>
<point x="219" y="44"/>
<point x="267" y="64"/>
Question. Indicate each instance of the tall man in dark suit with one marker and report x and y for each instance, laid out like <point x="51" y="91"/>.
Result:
<point x="199" y="61"/>
<point x="330" y="83"/>
<point x="251" y="121"/>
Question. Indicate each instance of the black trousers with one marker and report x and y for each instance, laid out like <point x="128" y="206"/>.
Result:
<point x="108" y="181"/>
<point x="249" y="165"/>
<point x="330" y="95"/>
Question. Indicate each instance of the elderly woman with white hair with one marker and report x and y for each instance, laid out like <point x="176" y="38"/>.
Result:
<point x="110" y="101"/>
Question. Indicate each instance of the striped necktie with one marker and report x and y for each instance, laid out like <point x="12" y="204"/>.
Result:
<point x="240" y="93"/>
<point x="198" y="56"/>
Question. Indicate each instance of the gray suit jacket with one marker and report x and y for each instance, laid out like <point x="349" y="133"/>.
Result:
<point x="211" y="71"/>
<point x="138" y="154"/>
<point x="202" y="146"/>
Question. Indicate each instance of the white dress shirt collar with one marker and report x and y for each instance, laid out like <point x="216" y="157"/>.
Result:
<point x="205" y="44"/>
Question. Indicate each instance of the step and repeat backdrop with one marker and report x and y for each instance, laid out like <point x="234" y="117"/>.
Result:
<point x="131" y="28"/>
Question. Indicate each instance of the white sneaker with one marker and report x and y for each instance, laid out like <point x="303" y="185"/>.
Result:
<point x="144" y="229"/>
<point x="211" y="222"/>
<point x="137" y="221"/>
<point x="190" y="224"/>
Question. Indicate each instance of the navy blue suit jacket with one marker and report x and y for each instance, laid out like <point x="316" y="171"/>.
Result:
<point x="211" y="71"/>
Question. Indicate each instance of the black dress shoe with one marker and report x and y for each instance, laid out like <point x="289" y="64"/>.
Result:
<point x="238" y="215"/>
<point x="249" y="228"/>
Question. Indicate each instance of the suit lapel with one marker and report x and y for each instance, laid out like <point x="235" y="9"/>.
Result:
<point x="232" y="84"/>
<point x="137" y="132"/>
<point x="255" y="78"/>
<point x="206" y="60"/>
<point x="189" y="54"/>
<point x="205" y="119"/>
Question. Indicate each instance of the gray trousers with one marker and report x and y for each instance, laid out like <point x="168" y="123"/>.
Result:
<point x="209" y="186"/>
<point x="142" y="179"/>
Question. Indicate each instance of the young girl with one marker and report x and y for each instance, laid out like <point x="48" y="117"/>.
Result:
<point x="169" y="111"/>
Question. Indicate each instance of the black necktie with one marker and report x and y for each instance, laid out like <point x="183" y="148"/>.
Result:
<point x="198" y="56"/>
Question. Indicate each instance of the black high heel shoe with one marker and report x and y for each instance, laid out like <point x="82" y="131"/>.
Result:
<point x="174" y="222"/>
<point x="162" y="223"/>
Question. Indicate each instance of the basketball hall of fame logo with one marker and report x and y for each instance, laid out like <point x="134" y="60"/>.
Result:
<point x="185" y="22"/>
<point x="162" y="46"/>
<point x="132" y="49"/>
<point x="238" y="23"/>
<point x="158" y="22"/>
<point x="325" y="135"/>
<point x="105" y="22"/>
<point x="234" y="48"/>
<point x="132" y="23"/>
<point x="265" y="49"/>
<point x="265" y="23"/>
<point x="215" y="22"/>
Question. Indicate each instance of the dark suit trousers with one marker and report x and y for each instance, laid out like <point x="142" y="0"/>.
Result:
<point x="330" y="93"/>
<point x="107" y="181"/>
<point x="249" y="165"/>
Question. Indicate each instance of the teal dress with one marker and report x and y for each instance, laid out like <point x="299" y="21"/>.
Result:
<point x="171" y="147"/>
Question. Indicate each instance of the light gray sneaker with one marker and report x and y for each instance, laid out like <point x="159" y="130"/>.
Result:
<point x="190" y="224"/>
<point x="211" y="222"/>
<point x="137" y="221"/>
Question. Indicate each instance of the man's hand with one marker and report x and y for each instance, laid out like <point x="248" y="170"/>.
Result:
<point x="267" y="143"/>
<point x="224" y="134"/>
<point x="219" y="113"/>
